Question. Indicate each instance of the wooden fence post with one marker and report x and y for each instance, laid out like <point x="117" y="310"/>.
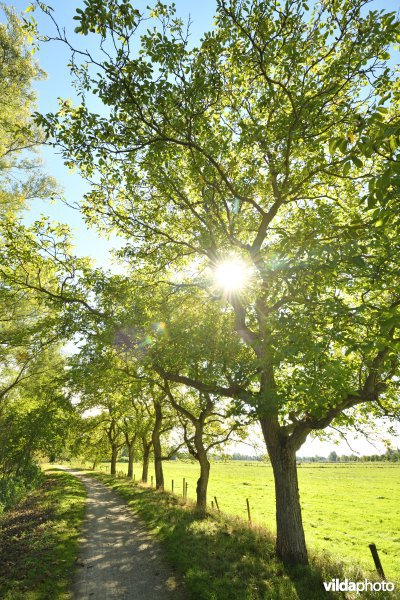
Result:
<point x="216" y="503"/>
<point x="152" y="481"/>
<point x="186" y="488"/>
<point x="248" y="509"/>
<point x="172" y="486"/>
<point x="377" y="561"/>
<point x="183" y="489"/>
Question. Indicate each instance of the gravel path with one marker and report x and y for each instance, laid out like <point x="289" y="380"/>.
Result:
<point x="118" y="558"/>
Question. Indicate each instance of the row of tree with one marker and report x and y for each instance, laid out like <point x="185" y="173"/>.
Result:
<point x="34" y="409"/>
<point x="273" y="143"/>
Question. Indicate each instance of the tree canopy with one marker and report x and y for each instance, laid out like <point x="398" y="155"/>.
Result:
<point x="274" y="143"/>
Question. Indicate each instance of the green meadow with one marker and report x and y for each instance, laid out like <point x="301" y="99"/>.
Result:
<point x="346" y="506"/>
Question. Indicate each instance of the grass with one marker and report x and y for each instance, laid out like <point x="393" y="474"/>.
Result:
<point x="221" y="558"/>
<point x="345" y="506"/>
<point x="38" y="540"/>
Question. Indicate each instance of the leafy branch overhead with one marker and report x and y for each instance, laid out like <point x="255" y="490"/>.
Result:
<point x="272" y="138"/>
<point x="273" y="141"/>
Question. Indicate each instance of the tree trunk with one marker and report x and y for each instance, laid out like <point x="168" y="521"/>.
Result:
<point x="114" y="455"/>
<point x="290" y="540"/>
<point x="146" y="458"/>
<point x="202" y="483"/>
<point x="201" y="457"/>
<point x="131" y="458"/>
<point x="157" y="446"/>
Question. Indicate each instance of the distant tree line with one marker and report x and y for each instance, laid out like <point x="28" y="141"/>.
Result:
<point x="391" y="455"/>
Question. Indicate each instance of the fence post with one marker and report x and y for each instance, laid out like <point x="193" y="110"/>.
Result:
<point x="134" y="477"/>
<point x="172" y="486"/>
<point x="152" y="481"/>
<point x="216" y="503"/>
<point x="212" y="504"/>
<point x="248" y="509"/>
<point x="186" y="488"/>
<point x="183" y="489"/>
<point x="377" y="560"/>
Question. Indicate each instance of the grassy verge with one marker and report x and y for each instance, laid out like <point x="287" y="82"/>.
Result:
<point x="38" y="540"/>
<point x="345" y="506"/>
<point x="221" y="558"/>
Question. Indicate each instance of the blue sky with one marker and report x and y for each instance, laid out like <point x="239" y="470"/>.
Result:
<point x="53" y="58"/>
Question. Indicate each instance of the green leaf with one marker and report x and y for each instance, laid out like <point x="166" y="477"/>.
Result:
<point x="358" y="260"/>
<point x="346" y="167"/>
<point x="357" y="161"/>
<point x="393" y="143"/>
<point x="333" y="145"/>
<point x="342" y="145"/>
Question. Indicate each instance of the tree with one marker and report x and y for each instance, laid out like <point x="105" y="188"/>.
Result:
<point x="21" y="180"/>
<point x="21" y="177"/>
<point x="333" y="457"/>
<point x="34" y="422"/>
<point x="258" y="144"/>
<point x="33" y="408"/>
<point x="206" y="425"/>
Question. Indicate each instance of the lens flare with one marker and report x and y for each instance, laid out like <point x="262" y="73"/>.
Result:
<point x="231" y="275"/>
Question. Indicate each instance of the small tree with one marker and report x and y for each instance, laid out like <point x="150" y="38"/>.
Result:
<point x="206" y="424"/>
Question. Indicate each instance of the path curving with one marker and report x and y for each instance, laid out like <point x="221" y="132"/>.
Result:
<point x="118" y="558"/>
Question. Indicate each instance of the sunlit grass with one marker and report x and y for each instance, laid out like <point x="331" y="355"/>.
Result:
<point x="220" y="558"/>
<point x="39" y="540"/>
<point x="345" y="506"/>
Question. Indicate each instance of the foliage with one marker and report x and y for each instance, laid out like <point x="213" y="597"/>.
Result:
<point x="21" y="178"/>
<point x="274" y="141"/>
<point x="33" y="407"/>
<point x="14" y="488"/>
<point x="234" y="143"/>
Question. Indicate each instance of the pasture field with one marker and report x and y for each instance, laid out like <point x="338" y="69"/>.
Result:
<point x="346" y="506"/>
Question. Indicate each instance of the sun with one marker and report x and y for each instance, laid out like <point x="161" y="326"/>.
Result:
<point x="231" y="275"/>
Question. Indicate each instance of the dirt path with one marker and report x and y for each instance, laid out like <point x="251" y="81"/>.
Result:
<point x="118" y="558"/>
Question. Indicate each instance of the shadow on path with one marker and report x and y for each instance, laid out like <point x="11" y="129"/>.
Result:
<point x="118" y="557"/>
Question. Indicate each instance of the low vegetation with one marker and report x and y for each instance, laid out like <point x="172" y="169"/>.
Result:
<point x="38" y="540"/>
<point x="221" y="558"/>
<point x="345" y="506"/>
<point x="14" y="488"/>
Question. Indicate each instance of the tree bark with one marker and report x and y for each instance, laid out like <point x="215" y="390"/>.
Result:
<point x="201" y="456"/>
<point x="290" y="540"/>
<point x="113" y="436"/>
<point x="114" y="455"/>
<point x="202" y="483"/>
<point x="131" y="458"/>
<point x="157" y="446"/>
<point x="146" y="459"/>
<point x="130" y="444"/>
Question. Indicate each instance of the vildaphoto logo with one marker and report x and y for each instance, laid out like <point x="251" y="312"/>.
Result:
<point x="336" y="585"/>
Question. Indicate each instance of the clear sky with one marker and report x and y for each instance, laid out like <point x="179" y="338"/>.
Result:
<point x="53" y="58"/>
